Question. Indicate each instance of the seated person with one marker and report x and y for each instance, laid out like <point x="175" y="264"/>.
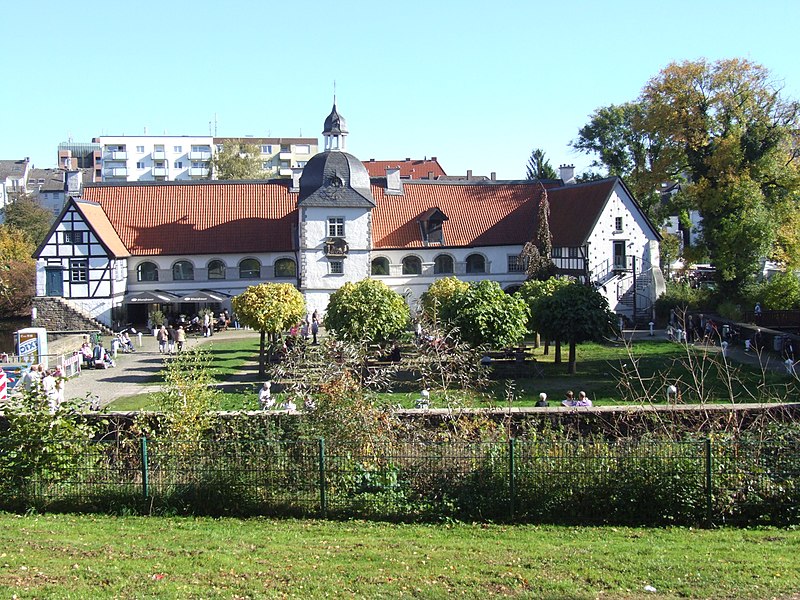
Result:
<point x="424" y="401"/>
<point x="86" y="354"/>
<point x="569" y="400"/>
<point x="582" y="400"/>
<point x="542" y="401"/>
<point x="289" y="405"/>
<point x="265" y="399"/>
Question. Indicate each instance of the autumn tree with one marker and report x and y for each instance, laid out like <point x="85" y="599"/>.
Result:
<point x="539" y="167"/>
<point x="28" y="216"/>
<point x="269" y="308"/>
<point x="237" y="159"/>
<point x="366" y="311"/>
<point x="17" y="272"/>
<point x="724" y="127"/>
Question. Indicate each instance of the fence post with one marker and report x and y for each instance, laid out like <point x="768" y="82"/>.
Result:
<point x="511" y="482"/>
<point x="323" y="496"/>
<point x="708" y="483"/>
<point x="145" y="469"/>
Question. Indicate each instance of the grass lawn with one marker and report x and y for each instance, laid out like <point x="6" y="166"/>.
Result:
<point x="67" y="556"/>
<point x="599" y="368"/>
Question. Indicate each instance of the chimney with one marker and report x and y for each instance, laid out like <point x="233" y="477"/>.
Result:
<point x="296" y="173"/>
<point x="433" y="158"/>
<point x="493" y="176"/>
<point x="567" y="174"/>
<point x="430" y="174"/>
<point x="393" y="184"/>
<point x="469" y="174"/>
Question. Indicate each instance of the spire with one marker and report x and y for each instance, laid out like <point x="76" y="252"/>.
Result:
<point x="335" y="129"/>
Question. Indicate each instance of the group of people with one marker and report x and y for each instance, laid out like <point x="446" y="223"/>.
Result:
<point x="569" y="400"/>
<point x="96" y="356"/>
<point x="307" y="328"/>
<point x="267" y="402"/>
<point x="49" y="381"/>
<point x="170" y="339"/>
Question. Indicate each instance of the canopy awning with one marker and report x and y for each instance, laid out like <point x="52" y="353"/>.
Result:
<point x="205" y="296"/>
<point x="151" y="297"/>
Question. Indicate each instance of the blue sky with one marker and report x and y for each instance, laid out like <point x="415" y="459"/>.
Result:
<point x="476" y="84"/>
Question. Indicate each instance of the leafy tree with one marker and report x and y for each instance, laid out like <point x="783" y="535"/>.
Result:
<point x="573" y="313"/>
<point x="616" y="135"/>
<point x="533" y="290"/>
<point x="539" y="167"/>
<point x="238" y="159"/>
<point x="439" y="293"/>
<point x="485" y="314"/>
<point x="269" y="308"/>
<point x="724" y="127"/>
<point x="538" y="255"/>
<point x="26" y="215"/>
<point x="731" y="131"/>
<point x="781" y="292"/>
<point x="366" y="311"/>
<point x="17" y="272"/>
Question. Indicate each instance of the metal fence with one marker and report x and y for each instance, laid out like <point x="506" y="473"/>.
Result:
<point x="700" y="482"/>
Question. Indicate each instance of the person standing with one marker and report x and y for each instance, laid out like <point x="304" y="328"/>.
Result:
<point x="181" y="337"/>
<point x="163" y="337"/>
<point x="314" y="327"/>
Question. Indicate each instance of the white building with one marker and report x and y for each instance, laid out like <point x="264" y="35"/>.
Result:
<point x="177" y="246"/>
<point x="13" y="179"/>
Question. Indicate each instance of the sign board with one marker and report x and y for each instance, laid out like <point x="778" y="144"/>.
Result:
<point x="32" y="344"/>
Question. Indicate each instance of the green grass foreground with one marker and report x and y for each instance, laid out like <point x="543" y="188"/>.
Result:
<point x="67" y="556"/>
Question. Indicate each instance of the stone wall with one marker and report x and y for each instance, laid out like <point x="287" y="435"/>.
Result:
<point x="57" y="314"/>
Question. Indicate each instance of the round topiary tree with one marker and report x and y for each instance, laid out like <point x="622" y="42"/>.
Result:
<point x="439" y="293"/>
<point x="485" y="314"/>
<point x="366" y="312"/>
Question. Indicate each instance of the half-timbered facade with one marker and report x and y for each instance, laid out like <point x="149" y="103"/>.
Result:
<point x="129" y="248"/>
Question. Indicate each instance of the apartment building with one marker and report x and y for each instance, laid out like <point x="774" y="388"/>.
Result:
<point x="186" y="158"/>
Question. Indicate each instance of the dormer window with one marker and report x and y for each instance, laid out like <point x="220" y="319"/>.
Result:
<point x="430" y="225"/>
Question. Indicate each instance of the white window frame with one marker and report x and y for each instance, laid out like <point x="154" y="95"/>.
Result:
<point x="74" y="237"/>
<point x="140" y="149"/>
<point x="618" y="223"/>
<point x="140" y="164"/>
<point x="516" y="264"/>
<point x="336" y="267"/>
<point x="336" y="227"/>
<point x="178" y="149"/>
<point x="79" y="270"/>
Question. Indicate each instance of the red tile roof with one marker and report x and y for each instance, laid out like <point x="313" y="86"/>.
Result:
<point x="199" y="218"/>
<point x="98" y="221"/>
<point x="478" y="214"/>
<point x="212" y="217"/>
<point x="409" y="169"/>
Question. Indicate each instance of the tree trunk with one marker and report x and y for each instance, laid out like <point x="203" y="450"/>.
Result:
<point x="261" y="368"/>
<point x="546" y="351"/>
<point x="572" y="367"/>
<point x="557" y="358"/>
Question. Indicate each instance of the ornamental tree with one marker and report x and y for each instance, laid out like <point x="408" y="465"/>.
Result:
<point x="269" y="308"/>
<point x="439" y="293"/>
<point x="573" y="313"/>
<point x="366" y="312"/>
<point x="485" y="314"/>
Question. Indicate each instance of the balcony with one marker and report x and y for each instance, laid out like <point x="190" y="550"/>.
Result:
<point x="285" y="155"/>
<point x="159" y="155"/>
<point x="115" y="172"/>
<point x="203" y="155"/>
<point x="159" y="172"/>
<point x="198" y="172"/>
<point x="285" y="172"/>
<point x="118" y="155"/>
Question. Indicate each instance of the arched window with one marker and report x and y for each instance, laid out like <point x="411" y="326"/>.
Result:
<point x="183" y="270"/>
<point x="476" y="264"/>
<point x="443" y="264"/>
<point x="216" y="269"/>
<point x="380" y="266"/>
<point x="412" y="265"/>
<point x="147" y="271"/>
<point x="249" y="268"/>
<point x="285" y="267"/>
